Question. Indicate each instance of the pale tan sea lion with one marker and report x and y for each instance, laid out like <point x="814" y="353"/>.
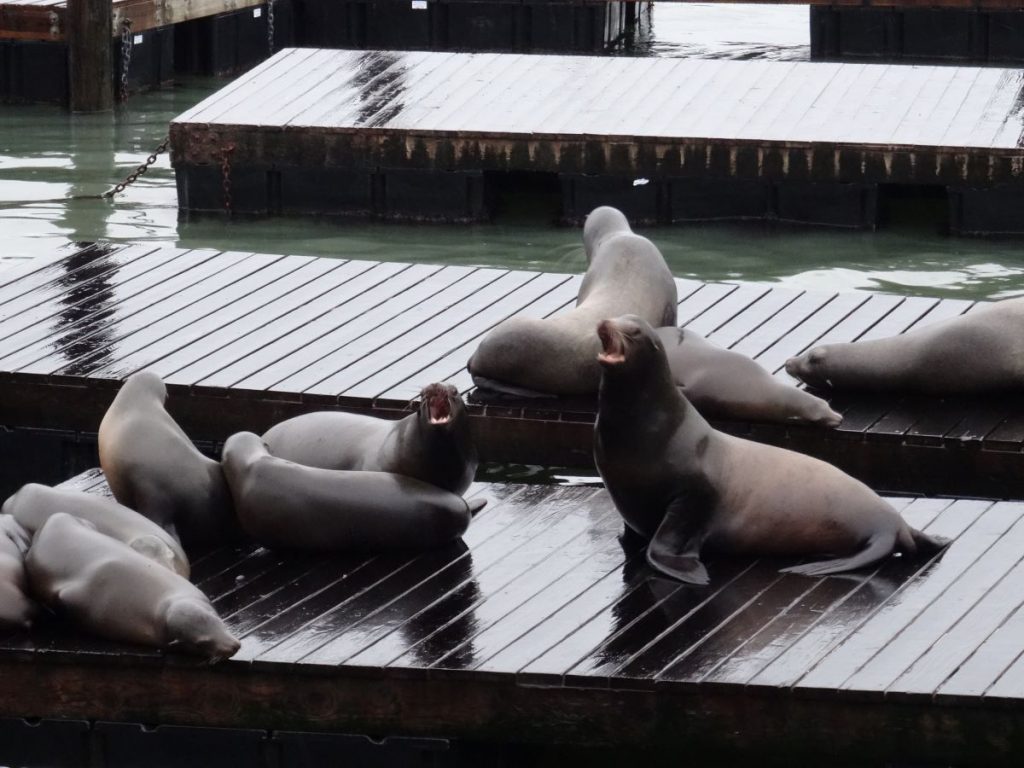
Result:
<point x="16" y="609"/>
<point x="982" y="351"/>
<point x="724" y="384"/>
<point x="33" y="504"/>
<point x="109" y="589"/>
<point x="626" y="273"/>
<point x="153" y="467"/>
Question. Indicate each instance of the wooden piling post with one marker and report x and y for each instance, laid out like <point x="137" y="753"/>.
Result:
<point x="90" y="63"/>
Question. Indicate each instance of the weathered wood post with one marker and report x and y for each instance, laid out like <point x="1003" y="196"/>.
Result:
<point x="90" y="63"/>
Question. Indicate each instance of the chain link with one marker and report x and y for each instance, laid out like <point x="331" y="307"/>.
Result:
<point x="225" y="174"/>
<point x="132" y="177"/>
<point x="270" y="27"/>
<point x="127" y="43"/>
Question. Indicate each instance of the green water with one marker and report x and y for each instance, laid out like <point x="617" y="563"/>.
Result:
<point x="52" y="165"/>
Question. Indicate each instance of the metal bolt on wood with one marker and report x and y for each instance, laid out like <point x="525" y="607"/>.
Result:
<point x="132" y="177"/>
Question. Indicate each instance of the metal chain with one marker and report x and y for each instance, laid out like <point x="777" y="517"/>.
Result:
<point x="225" y="173"/>
<point x="127" y="43"/>
<point x="132" y="177"/>
<point x="270" y="27"/>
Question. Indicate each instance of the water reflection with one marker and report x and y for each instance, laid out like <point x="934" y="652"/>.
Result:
<point x="458" y="624"/>
<point x="380" y="84"/>
<point x="87" y="290"/>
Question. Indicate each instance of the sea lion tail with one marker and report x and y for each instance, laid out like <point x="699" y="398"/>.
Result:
<point x="915" y="542"/>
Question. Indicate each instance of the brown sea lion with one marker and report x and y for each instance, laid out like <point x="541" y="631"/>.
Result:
<point x="16" y="609"/>
<point x="981" y="351"/>
<point x="433" y="445"/>
<point x="283" y="504"/>
<point x="153" y="467"/>
<point x="555" y="356"/>
<point x="684" y="485"/>
<point x="724" y="384"/>
<point x="33" y="504"/>
<point x="109" y="589"/>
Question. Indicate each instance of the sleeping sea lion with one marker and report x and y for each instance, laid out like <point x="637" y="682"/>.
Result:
<point x="16" y="609"/>
<point x="109" y="589"/>
<point x="33" y="504"/>
<point x="982" y="351"/>
<point x="683" y="485"/>
<point x="283" y="504"/>
<point x="724" y="384"/>
<point x="433" y="445"/>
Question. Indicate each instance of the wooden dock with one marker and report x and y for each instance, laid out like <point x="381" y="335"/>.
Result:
<point x="543" y="628"/>
<point x="427" y="135"/>
<point x="246" y="340"/>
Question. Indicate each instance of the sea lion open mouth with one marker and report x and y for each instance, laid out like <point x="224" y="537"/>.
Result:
<point x="614" y="343"/>
<point x="437" y="399"/>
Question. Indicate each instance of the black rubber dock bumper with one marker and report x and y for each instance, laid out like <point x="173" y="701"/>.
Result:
<point x="557" y="26"/>
<point x="436" y="135"/>
<point x="969" y="35"/>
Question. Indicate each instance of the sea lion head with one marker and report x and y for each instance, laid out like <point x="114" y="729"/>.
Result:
<point x="241" y="449"/>
<point x="601" y="223"/>
<point x="440" y="406"/>
<point x="159" y="551"/>
<point x="145" y="384"/>
<point x="194" y="626"/>
<point x="627" y="344"/>
<point x="810" y="367"/>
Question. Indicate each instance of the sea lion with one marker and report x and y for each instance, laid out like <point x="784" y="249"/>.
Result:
<point x="683" y="485"/>
<point x="433" y="444"/>
<point x="982" y="351"/>
<point x="153" y="467"/>
<point x="33" y="504"/>
<point x="724" y="384"/>
<point x="16" y="609"/>
<point x="626" y="273"/>
<point x="283" y="504"/>
<point x="109" y="589"/>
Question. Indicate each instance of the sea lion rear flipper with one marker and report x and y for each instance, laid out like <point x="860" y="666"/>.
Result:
<point x="675" y="548"/>
<point x="878" y="547"/>
<point x="475" y="505"/>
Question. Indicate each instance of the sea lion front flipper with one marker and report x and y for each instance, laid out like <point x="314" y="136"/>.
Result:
<point x="675" y="548"/>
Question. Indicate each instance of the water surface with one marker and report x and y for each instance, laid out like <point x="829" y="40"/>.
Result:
<point x="52" y="167"/>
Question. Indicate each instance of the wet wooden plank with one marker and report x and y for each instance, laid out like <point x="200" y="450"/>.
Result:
<point x="439" y="613"/>
<point x="840" y="622"/>
<point x="241" y="294"/>
<point x="416" y="328"/>
<point x="249" y="354"/>
<point x="460" y="334"/>
<point x="844" y="662"/>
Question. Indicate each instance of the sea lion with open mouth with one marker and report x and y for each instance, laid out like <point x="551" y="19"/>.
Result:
<point x="433" y="444"/>
<point x="685" y="486"/>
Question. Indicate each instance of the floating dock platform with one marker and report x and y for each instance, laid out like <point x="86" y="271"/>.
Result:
<point x="245" y="340"/>
<point x="542" y="628"/>
<point x="426" y="135"/>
